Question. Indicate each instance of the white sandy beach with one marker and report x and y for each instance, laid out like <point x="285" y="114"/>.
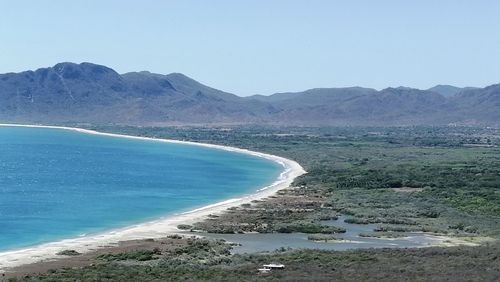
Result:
<point x="153" y="229"/>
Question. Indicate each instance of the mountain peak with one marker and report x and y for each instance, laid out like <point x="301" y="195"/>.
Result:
<point x="83" y="66"/>
<point x="63" y="65"/>
<point x="449" y="90"/>
<point x="446" y="90"/>
<point x="399" y="89"/>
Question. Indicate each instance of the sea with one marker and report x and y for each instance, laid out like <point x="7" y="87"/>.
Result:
<point x="57" y="184"/>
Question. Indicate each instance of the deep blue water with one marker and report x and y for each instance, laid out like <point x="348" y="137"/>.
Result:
<point x="57" y="184"/>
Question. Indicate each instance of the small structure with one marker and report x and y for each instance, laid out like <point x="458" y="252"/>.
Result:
<point x="274" y="266"/>
<point x="266" y="268"/>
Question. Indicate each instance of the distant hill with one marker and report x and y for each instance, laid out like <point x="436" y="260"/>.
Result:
<point x="479" y="106"/>
<point x="449" y="90"/>
<point x="360" y="106"/>
<point x="90" y="93"/>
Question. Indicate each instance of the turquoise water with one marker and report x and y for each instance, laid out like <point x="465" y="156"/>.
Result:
<point x="57" y="184"/>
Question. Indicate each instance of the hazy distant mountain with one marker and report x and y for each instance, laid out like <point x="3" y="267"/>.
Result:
<point x="479" y="106"/>
<point x="449" y="90"/>
<point x="356" y="105"/>
<point x="89" y="93"/>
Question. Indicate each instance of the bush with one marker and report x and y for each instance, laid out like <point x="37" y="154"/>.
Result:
<point x="141" y="255"/>
<point x="184" y="227"/>
<point x="394" y="184"/>
<point x="68" y="253"/>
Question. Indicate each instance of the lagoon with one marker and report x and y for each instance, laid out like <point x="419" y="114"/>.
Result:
<point x="351" y="239"/>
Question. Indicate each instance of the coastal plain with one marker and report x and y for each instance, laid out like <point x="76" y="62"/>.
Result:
<point x="436" y="180"/>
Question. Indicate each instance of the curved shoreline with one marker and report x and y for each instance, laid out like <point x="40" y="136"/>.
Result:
<point x="151" y="229"/>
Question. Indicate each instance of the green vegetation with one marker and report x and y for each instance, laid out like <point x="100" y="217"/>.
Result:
<point x="68" y="253"/>
<point x="323" y="237"/>
<point x="205" y="260"/>
<point x="308" y="228"/>
<point x="184" y="227"/>
<point x="140" y="255"/>
<point x="383" y="234"/>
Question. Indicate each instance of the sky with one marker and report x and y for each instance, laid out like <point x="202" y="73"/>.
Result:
<point x="263" y="46"/>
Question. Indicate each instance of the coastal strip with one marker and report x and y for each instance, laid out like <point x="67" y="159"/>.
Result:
<point x="153" y="229"/>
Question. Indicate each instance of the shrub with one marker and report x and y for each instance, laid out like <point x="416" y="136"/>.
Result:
<point x="68" y="253"/>
<point x="184" y="227"/>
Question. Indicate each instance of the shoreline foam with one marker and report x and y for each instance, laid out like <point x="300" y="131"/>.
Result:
<point x="151" y="229"/>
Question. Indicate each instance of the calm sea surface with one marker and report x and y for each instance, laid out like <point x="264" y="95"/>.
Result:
<point x="57" y="184"/>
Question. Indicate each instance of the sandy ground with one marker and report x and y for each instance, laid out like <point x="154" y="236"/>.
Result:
<point x="154" y="229"/>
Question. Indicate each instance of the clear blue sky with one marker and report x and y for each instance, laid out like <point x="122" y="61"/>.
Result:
<point x="262" y="47"/>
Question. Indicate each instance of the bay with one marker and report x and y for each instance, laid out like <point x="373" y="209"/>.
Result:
<point x="57" y="184"/>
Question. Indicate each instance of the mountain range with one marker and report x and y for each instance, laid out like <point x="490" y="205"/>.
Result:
<point x="90" y="93"/>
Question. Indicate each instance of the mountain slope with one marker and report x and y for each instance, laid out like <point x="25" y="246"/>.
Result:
<point x="448" y="90"/>
<point x="66" y="91"/>
<point x="479" y="106"/>
<point x="89" y="93"/>
<point x="362" y="106"/>
<point x="182" y="99"/>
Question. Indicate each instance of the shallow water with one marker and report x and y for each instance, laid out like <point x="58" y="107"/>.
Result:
<point x="56" y="183"/>
<point x="256" y="242"/>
